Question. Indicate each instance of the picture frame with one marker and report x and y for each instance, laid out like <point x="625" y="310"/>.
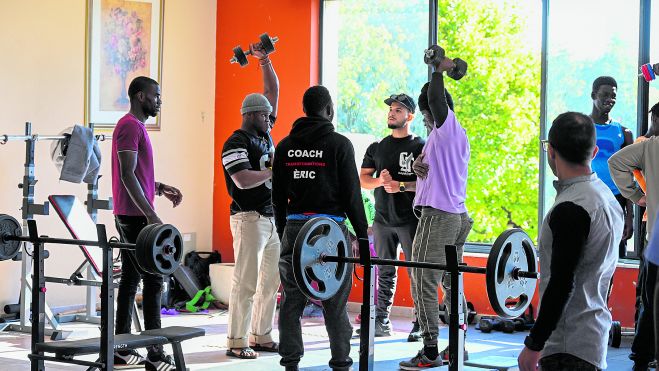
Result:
<point x="123" y="41"/>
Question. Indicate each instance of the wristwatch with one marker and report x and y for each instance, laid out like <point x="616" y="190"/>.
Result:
<point x="401" y="186"/>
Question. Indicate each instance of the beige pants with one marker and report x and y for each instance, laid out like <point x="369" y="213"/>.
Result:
<point x="255" y="279"/>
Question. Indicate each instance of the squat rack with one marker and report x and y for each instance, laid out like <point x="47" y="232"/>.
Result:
<point x="29" y="209"/>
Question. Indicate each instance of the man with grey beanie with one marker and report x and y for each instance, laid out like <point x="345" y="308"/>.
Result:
<point x="246" y="159"/>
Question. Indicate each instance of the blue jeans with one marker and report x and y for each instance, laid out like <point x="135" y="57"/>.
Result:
<point x="337" y="323"/>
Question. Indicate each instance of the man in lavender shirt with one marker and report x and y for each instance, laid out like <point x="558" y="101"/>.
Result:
<point x="133" y="190"/>
<point x="441" y="171"/>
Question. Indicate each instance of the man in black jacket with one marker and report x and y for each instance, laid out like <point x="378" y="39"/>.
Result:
<point x="314" y="174"/>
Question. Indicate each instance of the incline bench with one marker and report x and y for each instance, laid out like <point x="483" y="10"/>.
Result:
<point x="65" y="351"/>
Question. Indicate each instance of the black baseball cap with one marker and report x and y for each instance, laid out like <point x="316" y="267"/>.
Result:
<point x="403" y="99"/>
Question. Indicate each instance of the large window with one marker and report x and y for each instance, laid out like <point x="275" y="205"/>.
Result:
<point x="585" y="40"/>
<point x="372" y="49"/>
<point x="498" y="103"/>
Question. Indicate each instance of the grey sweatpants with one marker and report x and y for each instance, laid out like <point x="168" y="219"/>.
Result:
<point x="436" y="229"/>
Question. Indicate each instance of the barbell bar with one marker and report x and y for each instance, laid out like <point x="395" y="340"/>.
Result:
<point x="158" y="250"/>
<point x="322" y="250"/>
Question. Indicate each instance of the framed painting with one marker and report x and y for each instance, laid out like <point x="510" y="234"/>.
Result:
<point x="124" y="40"/>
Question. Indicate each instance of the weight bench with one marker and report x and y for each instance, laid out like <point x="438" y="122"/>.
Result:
<point x="81" y="226"/>
<point x="66" y="350"/>
<point x="107" y="343"/>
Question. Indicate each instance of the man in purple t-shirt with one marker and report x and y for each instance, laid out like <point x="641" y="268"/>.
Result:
<point x="441" y="185"/>
<point x="133" y="190"/>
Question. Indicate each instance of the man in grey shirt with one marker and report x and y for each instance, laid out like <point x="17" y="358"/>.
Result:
<point x="578" y="246"/>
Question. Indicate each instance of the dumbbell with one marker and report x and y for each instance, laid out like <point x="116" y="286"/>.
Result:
<point x="649" y="71"/>
<point x="240" y="55"/>
<point x="616" y="334"/>
<point x="434" y="54"/>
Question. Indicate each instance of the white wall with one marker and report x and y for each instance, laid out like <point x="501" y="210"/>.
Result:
<point x="42" y="76"/>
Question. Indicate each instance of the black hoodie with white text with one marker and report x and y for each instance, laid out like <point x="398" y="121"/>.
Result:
<point x="314" y="172"/>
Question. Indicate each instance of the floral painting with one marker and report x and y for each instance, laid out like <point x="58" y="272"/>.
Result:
<point x="123" y="43"/>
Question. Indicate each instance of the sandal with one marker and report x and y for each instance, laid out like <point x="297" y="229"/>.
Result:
<point x="273" y="347"/>
<point x="245" y="353"/>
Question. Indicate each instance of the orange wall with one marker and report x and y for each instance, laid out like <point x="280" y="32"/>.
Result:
<point x="621" y="302"/>
<point x="296" y="23"/>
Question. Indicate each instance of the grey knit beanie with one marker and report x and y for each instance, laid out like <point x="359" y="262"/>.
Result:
<point x="255" y="103"/>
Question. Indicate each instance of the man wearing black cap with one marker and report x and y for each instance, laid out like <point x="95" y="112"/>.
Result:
<point x="387" y="168"/>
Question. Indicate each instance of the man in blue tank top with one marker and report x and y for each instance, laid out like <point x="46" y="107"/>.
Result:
<point x="611" y="137"/>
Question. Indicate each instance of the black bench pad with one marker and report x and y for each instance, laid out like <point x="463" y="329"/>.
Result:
<point x="93" y="345"/>
<point x="176" y="333"/>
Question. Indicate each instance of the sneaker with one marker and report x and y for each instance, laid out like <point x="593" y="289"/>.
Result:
<point x="444" y="354"/>
<point x="160" y="362"/>
<point x="415" y="334"/>
<point x="381" y="329"/>
<point x="420" y="362"/>
<point x="129" y="359"/>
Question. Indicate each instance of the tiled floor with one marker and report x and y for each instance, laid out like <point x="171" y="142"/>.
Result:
<point x="207" y="353"/>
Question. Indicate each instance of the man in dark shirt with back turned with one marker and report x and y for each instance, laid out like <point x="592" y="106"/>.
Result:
<point x="578" y="242"/>
<point x="314" y="174"/>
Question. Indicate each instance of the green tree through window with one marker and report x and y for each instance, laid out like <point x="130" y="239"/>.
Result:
<point x="375" y="48"/>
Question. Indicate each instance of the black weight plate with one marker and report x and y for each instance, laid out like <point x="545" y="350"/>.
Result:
<point x="509" y="297"/>
<point x="140" y="244"/>
<point x="442" y="314"/>
<point x="433" y="55"/>
<point x="615" y="334"/>
<point x="317" y="238"/>
<point x="240" y="56"/>
<point x="163" y="250"/>
<point x="267" y="44"/>
<point x="459" y="71"/>
<point x="9" y="226"/>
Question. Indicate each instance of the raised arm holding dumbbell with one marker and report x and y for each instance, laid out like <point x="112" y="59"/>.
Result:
<point x="440" y="198"/>
<point x="246" y="159"/>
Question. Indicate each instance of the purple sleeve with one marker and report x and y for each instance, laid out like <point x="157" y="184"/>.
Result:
<point x="127" y="136"/>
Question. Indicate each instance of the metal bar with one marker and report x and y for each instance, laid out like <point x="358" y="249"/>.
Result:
<point x="367" y="326"/>
<point x="64" y="241"/>
<point x="107" y="301"/>
<point x="38" y="298"/>
<point x="73" y="282"/>
<point x="179" y="359"/>
<point x="71" y="361"/>
<point x="542" y="160"/>
<point x="413" y="264"/>
<point x="5" y="138"/>
<point x="455" y="315"/>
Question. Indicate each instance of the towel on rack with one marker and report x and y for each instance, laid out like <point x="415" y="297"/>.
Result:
<point x="78" y="157"/>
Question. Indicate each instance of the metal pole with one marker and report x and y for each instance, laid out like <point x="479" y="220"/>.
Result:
<point x="107" y="302"/>
<point x="367" y="326"/>
<point x="38" y="298"/>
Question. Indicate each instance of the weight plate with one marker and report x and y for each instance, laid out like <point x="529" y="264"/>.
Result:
<point x="509" y="297"/>
<point x="141" y="245"/>
<point x="267" y="44"/>
<point x="317" y="238"/>
<point x="163" y="250"/>
<point x="459" y="71"/>
<point x="615" y="334"/>
<point x="11" y="227"/>
<point x="433" y="54"/>
<point x="240" y="56"/>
